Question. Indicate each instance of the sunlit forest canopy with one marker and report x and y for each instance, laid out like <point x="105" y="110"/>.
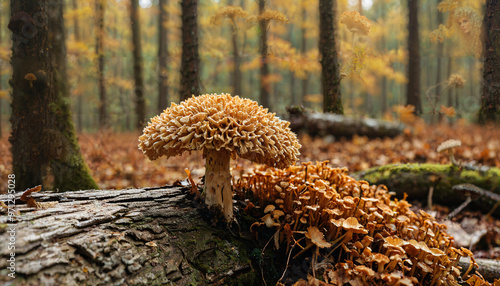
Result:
<point x="372" y="37"/>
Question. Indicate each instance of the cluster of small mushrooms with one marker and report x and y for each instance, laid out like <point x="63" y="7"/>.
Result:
<point x="367" y="237"/>
<point x="364" y="236"/>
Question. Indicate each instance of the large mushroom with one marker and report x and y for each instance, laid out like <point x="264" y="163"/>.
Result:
<point x="223" y="127"/>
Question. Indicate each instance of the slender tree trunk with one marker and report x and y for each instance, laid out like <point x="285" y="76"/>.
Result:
<point x="265" y="87"/>
<point x="44" y="145"/>
<point x="1" y="68"/>
<point x="140" y="106"/>
<point x="440" y="51"/>
<point x="236" y="62"/>
<point x="99" y="50"/>
<point x="79" y="107"/>
<point x="303" y="49"/>
<point x="490" y="93"/>
<point x="162" y="57"/>
<point x="190" y="66"/>
<point x="413" y="72"/>
<point x="332" y="99"/>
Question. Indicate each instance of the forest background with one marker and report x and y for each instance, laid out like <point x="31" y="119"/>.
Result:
<point x="373" y="66"/>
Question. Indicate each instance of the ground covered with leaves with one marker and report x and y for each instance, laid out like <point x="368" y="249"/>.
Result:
<point x="116" y="163"/>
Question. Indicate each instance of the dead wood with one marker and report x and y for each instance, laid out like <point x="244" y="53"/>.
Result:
<point x="120" y="237"/>
<point x="416" y="180"/>
<point x="322" y="124"/>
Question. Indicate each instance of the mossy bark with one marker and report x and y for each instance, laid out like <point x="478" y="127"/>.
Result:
<point x="44" y="145"/>
<point x="416" y="180"/>
<point x="218" y="190"/>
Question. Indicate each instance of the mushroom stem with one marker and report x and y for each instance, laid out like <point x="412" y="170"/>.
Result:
<point x="452" y="158"/>
<point x="218" y="190"/>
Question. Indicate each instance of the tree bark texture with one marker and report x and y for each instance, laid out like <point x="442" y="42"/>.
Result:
<point x="413" y="70"/>
<point x="265" y="87"/>
<point x="79" y="107"/>
<point x="303" y="49"/>
<point x="190" y="63"/>
<point x="44" y="145"/>
<point x="2" y="63"/>
<point x="330" y="76"/>
<point x="163" y="97"/>
<point x="322" y="124"/>
<point x="99" y="50"/>
<point x="67" y="166"/>
<point x="140" y="104"/>
<point x="121" y="237"/>
<point x="236" y="62"/>
<point x="490" y="94"/>
<point x="416" y="180"/>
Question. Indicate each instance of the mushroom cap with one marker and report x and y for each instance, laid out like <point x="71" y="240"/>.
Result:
<point x="30" y="76"/>
<point x="213" y="121"/>
<point x="449" y="144"/>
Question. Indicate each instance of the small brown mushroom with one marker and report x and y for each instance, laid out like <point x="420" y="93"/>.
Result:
<point x="448" y="145"/>
<point x="31" y="77"/>
<point x="223" y="127"/>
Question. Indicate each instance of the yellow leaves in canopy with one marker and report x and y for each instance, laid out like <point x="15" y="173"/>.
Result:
<point x="448" y="111"/>
<point x="230" y="12"/>
<point x="355" y="22"/>
<point x="440" y="34"/>
<point x="270" y="78"/>
<point x="273" y="15"/>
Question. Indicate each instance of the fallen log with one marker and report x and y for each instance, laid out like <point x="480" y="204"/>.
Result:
<point x="416" y="180"/>
<point x="322" y="124"/>
<point x="118" y="237"/>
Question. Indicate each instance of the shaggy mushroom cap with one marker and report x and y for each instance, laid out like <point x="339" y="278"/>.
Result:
<point x="212" y="121"/>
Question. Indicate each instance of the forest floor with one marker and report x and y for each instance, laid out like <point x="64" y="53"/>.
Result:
<point x="116" y="163"/>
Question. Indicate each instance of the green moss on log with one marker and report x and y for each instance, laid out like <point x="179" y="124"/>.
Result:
<point x="416" y="180"/>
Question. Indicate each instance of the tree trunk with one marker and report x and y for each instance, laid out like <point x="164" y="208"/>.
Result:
<point x="265" y="87"/>
<point x="303" y="50"/>
<point x="236" y="63"/>
<point x="1" y="68"/>
<point x="99" y="50"/>
<point x="440" y="52"/>
<point x="123" y="237"/>
<point x="44" y="145"/>
<point x="190" y="66"/>
<point x="140" y="106"/>
<point x="332" y="99"/>
<point x="413" y="72"/>
<point x="162" y="57"/>
<point x="79" y="107"/>
<point x="490" y="95"/>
